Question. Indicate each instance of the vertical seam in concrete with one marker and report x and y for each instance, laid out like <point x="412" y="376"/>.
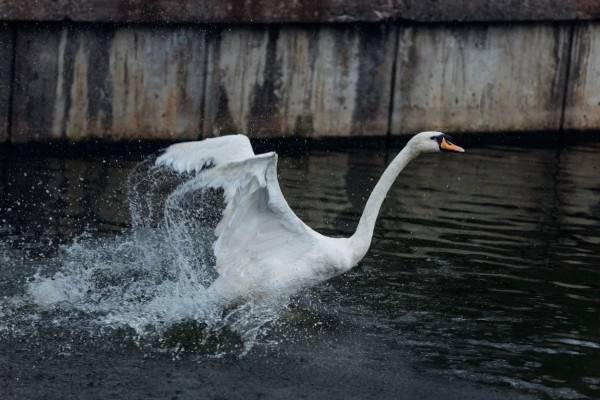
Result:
<point x="12" y="83"/>
<point x="393" y="89"/>
<point x="561" y="128"/>
<point x="204" y="84"/>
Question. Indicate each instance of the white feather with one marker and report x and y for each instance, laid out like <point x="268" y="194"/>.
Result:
<point x="195" y="156"/>
<point x="262" y="247"/>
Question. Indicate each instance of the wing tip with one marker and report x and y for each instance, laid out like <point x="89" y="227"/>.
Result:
<point x="198" y="155"/>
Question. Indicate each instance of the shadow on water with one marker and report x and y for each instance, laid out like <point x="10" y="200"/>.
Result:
<point x="484" y="267"/>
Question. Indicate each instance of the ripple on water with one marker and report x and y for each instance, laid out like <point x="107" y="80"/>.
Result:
<point x="483" y="267"/>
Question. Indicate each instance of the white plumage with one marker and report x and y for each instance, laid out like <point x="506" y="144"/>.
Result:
<point x="262" y="247"/>
<point x="195" y="156"/>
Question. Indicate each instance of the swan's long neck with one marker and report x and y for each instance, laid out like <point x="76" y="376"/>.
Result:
<point x="361" y="240"/>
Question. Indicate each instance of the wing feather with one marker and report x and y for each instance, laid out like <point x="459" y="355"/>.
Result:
<point x="257" y="226"/>
<point x="202" y="154"/>
<point x="257" y="222"/>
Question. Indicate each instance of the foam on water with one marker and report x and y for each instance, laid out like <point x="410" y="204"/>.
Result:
<point x="157" y="274"/>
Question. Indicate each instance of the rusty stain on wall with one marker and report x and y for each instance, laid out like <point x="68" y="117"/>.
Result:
<point x="236" y="63"/>
<point x="114" y="84"/>
<point x="582" y="111"/>
<point x="273" y="81"/>
<point x="79" y="82"/>
<point x="158" y="78"/>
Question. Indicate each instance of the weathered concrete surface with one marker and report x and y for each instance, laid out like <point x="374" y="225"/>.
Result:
<point x="302" y="11"/>
<point x="109" y="83"/>
<point x="322" y="81"/>
<point x="35" y="85"/>
<point x="582" y="111"/>
<point x="6" y="52"/>
<point x="480" y="78"/>
<point x="80" y="82"/>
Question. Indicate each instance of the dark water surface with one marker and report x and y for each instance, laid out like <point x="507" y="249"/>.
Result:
<point x="483" y="282"/>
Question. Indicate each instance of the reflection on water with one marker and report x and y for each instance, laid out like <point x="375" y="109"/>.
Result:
<point x="484" y="265"/>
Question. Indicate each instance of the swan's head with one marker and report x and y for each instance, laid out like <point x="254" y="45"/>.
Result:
<point x="433" y="142"/>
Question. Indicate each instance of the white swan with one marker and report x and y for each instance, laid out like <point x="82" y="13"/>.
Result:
<point x="262" y="247"/>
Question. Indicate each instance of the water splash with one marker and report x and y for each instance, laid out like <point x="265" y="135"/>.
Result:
<point x="154" y="278"/>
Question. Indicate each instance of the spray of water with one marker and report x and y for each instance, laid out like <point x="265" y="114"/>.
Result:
<point x="153" y="279"/>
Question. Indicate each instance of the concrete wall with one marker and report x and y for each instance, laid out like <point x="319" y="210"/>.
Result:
<point x="325" y="81"/>
<point x="6" y="54"/>
<point x="480" y="78"/>
<point x="296" y="11"/>
<point x="78" y="83"/>
<point x="83" y="81"/>
<point x="582" y="111"/>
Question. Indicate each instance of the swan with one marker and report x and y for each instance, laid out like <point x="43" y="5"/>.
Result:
<point x="261" y="247"/>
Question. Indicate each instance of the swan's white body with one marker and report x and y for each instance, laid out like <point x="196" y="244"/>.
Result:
<point x="262" y="247"/>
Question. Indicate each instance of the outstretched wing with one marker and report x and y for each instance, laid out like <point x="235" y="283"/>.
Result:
<point x="257" y="227"/>
<point x="212" y="152"/>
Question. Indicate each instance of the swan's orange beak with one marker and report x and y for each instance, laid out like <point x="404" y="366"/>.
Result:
<point x="448" y="146"/>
